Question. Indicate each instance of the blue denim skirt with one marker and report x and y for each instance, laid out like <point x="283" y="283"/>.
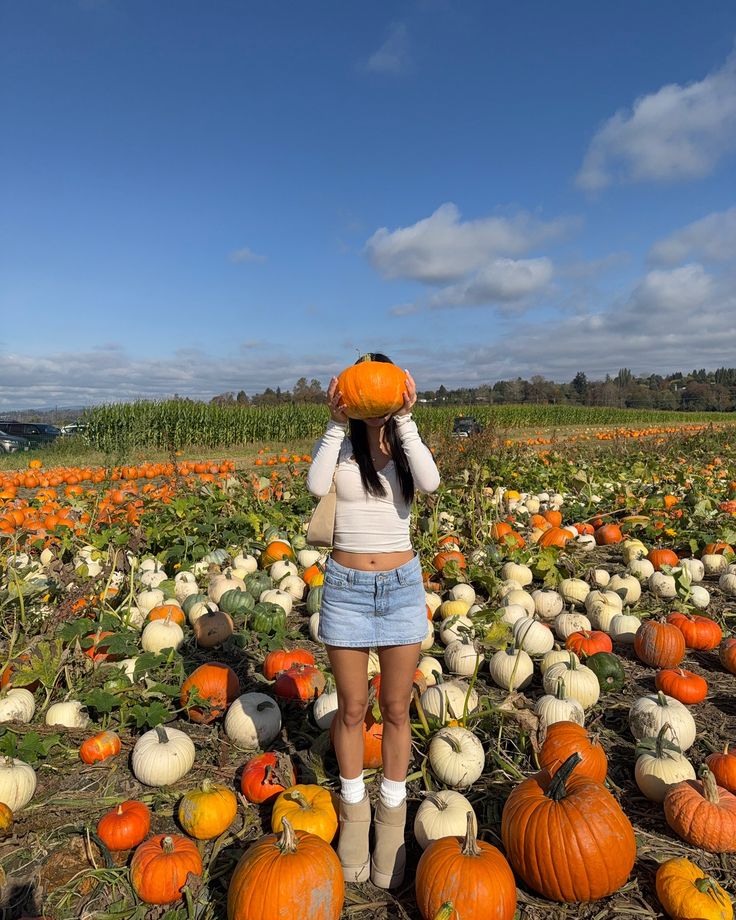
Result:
<point x="370" y="609"/>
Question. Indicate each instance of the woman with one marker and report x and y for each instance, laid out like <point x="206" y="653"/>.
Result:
<point x="373" y="596"/>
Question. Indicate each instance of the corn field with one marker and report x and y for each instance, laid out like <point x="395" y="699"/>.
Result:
<point x="175" y="424"/>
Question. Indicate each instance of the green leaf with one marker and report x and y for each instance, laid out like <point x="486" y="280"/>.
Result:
<point x="101" y="700"/>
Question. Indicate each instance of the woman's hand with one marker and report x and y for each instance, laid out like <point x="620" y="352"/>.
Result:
<point x="335" y="403"/>
<point x="410" y="395"/>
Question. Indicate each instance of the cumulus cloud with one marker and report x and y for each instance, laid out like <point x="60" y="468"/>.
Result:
<point x="678" y="132"/>
<point x="443" y="248"/>
<point x="502" y="281"/>
<point x="712" y="239"/>
<point x="246" y="254"/>
<point x="393" y="55"/>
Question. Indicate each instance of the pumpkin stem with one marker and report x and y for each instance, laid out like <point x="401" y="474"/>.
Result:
<point x="446" y="911"/>
<point x="452" y="741"/>
<point x="163" y="738"/>
<point x="287" y="842"/>
<point x="556" y="790"/>
<point x="206" y="785"/>
<point x="709" y="886"/>
<point x="573" y="662"/>
<point x="470" y="844"/>
<point x="167" y="845"/>
<point x="659" y="748"/>
<point x="439" y="804"/>
<point x="119" y="811"/>
<point x="662" y="699"/>
<point x="560" y="693"/>
<point x="296" y="796"/>
<point x="710" y="787"/>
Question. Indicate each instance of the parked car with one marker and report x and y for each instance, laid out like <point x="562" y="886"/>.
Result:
<point x="66" y="430"/>
<point x="465" y="425"/>
<point x="39" y="435"/>
<point x="9" y="443"/>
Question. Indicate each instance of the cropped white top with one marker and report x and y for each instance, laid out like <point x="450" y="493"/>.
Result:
<point x="366" y="523"/>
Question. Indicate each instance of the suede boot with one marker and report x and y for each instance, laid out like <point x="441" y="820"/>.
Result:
<point x="389" y="851"/>
<point x="352" y="845"/>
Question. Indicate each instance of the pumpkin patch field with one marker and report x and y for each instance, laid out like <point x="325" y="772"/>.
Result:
<point x="165" y="711"/>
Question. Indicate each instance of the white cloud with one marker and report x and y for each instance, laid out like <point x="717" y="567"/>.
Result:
<point x="393" y="55"/>
<point x="712" y="238"/>
<point x="441" y="248"/>
<point x="678" y="132"/>
<point x="502" y="281"/>
<point x="246" y="255"/>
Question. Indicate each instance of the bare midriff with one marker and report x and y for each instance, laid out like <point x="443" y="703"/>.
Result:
<point x="372" y="562"/>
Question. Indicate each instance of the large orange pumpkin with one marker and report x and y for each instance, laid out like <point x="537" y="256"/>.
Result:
<point x="555" y="536"/>
<point x="214" y="682"/>
<point x="608" y="534"/>
<point x="125" y="826"/>
<point x="566" y="738"/>
<point x="723" y="766"/>
<point x="659" y="644"/>
<point x="281" y="875"/>
<point x="468" y="874"/>
<point x="660" y="557"/>
<point x="275" y="552"/>
<point x="702" y="813"/>
<point x="567" y="836"/>
<point x="160" y="866"/>
<point x="371" y="389"/>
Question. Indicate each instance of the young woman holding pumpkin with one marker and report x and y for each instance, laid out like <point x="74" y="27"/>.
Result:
<point x="373" y="595"/>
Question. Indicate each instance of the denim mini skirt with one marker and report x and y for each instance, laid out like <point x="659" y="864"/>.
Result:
<point x="370" y="609"/>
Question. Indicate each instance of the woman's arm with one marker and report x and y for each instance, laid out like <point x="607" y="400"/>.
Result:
<point x="325" y="455"/>
<point x="421" y="462"/>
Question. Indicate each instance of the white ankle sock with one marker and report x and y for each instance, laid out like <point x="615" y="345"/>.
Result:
<point x="352" y="790"/>
<point x="392" y="792"/>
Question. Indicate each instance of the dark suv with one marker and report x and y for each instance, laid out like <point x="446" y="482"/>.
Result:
<point x="10" y="443"/>
<point x="37" y="434"/>
<point x="465" y="425"/>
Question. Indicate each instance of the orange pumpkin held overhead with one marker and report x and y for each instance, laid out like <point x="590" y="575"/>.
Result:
<point x="371" y="389"/>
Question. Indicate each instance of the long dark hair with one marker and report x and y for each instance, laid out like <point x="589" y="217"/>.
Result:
<point x="361" y="451"/>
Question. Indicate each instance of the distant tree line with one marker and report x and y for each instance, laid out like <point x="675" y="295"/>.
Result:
<point x="698" y="391"/>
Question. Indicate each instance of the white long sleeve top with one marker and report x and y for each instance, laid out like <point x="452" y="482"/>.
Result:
<point x="366" y="523"/>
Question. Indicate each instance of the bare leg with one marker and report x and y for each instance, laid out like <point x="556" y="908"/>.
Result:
<point x="398" y="664"/>
<point x="350" y="667"/>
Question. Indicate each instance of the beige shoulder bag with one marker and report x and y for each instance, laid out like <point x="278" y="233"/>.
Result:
<point x="321" y="527"/>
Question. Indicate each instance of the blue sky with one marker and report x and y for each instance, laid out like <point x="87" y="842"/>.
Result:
<point x="199" y="197"/>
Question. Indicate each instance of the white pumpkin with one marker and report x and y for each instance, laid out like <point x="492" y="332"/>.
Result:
<point x="428" y="640"/>
<point x="244" y="562"/>
<point x="70" y="714"/>
<point x="456" y="756"/>
<point x="145" y="601"/>
<point x="569" y="622"/>
<point x="511" y="668"/>
<point x="699" y="597"/>
<point x="281" y="569"/>
<point x="547" y="604"/>
<point x="649" y="713"/>
<point x="463" y="592"/>
<point x="433" y="601"/>
<point x="581" y="683"/>
<point x="18" y="705"/>
<point x="535" y="637"/>
<point x="314" y="627"/>
<point x="161" y="634"/>
<point x="442" y="814"/>
<point x="446" y="700"/>
<point x="253" y="721"/>
<point x="574" y="591"/>
<point x="557" y="707"/>
<point x="599" y="578"/>
<point x="521" y="574"/>
<point x="461" y="657"/>
<point x="660" y="765"/>
<point x="185" y="584"/>
<point x="162" y="756"/>
<point x="602" y="607"/>
<point x="633" y="549"/>
<point x="505" y="587"/>
<point x="275" y="596"/>
<point x="454" y="628"/>
<point x="641" y="569"/>
<point x="521" y="597"/>
<point x="714" y="563"/>
<point x="623" y="628"/>
<point x="555" y="657"/>
<point x="694" y="568"/>
<point x="294" y="586"/>
<point x="662" y="585"/>
<point x="374" y="663"/>
<point x="153" y="579"/>
<point x="199" y="610"/>
<point x="627" y="587"/>
<point x="586" y="541"/>
<point x="513" y="613"/>
<point x="324" y="709"/>
<point x="430" y="667"/>
<point x="727" y="584"/>
<point x="222" y="583"/>
<point x="17" y="783"/>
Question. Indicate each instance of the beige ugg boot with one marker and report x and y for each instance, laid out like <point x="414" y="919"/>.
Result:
<point x="389" y="851"/>
<point x="352" y="846"/>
